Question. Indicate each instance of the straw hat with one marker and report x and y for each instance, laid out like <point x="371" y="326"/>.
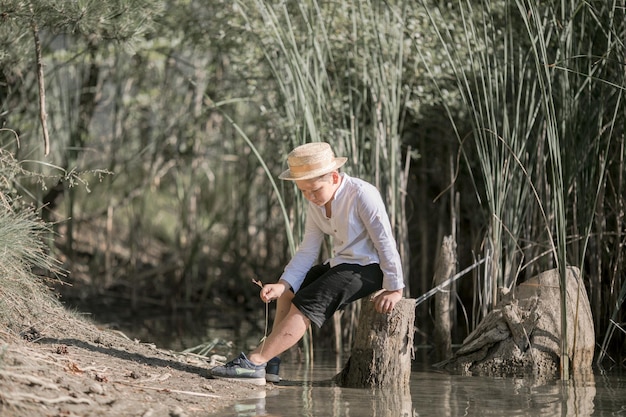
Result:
<point x="311" y="160"/>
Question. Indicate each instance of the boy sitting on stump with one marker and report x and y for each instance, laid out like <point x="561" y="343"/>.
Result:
<point x="365" y="259"/>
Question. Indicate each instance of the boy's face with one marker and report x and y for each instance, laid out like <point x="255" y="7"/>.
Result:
<point x="319" y="191"/>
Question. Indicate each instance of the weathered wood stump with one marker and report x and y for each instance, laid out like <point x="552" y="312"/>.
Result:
<point x="521" y="336"/>
<point x="383" y="348"/>
<point x="444" y="269"/>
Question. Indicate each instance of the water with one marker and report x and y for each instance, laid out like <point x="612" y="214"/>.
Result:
<point x="309" y="392"/>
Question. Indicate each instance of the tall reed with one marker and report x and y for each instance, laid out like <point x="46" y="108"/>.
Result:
<point x="537" y="87"/>
<point x="491" y="74"/>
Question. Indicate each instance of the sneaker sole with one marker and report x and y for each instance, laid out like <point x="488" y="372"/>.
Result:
<point x="272" y="378"/>
<point x="253" y="381"/>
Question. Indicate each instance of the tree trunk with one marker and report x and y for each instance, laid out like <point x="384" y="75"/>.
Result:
<point x="383" y="348"/>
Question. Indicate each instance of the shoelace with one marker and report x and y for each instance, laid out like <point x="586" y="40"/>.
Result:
<point x="234" y="362"/>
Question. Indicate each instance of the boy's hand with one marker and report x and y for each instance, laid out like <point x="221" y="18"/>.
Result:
<point x="271" y="292"/>
<point x="385" y="301"/>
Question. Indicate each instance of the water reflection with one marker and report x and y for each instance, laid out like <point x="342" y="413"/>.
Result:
<point x="482" y="396"/>
<point x="309" y="393"/>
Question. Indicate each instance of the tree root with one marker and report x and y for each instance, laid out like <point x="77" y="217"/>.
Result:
<point x="29" y="379"/>
<point x="15" y="398"/>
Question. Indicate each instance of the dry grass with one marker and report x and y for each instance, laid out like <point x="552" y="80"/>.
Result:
<point x="25" y="300"/>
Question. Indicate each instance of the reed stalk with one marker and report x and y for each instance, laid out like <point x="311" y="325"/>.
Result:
<point x="491" y="75"/>
<point x="543" y="139"/>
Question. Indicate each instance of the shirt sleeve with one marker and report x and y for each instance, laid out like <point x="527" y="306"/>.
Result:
<point x="306" y="254"/>
<point x="374" y="215"/>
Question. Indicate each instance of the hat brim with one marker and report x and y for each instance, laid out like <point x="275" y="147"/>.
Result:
<point x="338" y="163"/>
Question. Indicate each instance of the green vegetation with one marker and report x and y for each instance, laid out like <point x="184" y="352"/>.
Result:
<point x="499" y="122"/>
<point x="544" y="89"/>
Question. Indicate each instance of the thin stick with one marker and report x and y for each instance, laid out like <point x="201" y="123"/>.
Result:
<point x="447" y="282"/>
<point x="267" y="314"/>
<point x="43" y="116"/>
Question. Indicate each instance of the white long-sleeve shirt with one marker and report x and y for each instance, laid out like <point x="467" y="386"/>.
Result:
<point x="360" y="230"/>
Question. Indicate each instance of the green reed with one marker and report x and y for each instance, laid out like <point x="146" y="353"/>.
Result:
<point x="536" y="87"/>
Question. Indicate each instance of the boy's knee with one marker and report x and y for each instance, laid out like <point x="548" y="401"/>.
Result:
<point x="286" y="297"/>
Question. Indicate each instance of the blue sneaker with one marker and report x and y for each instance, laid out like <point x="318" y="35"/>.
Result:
<point x="271" y="370"/>
<point x="241" y="369"/>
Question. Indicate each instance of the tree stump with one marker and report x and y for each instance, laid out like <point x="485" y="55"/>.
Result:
<point x="383" y="348"/>
<point x="522" y="335"/>
<point x="444" y="269"/>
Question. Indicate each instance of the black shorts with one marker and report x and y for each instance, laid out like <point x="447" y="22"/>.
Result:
<point x="326" y="290"/>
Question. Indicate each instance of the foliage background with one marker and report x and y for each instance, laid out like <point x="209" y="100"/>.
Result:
<point x="498" y="122"/>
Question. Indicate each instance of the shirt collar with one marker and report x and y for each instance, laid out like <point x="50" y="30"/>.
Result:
<point x="344" y="179"/>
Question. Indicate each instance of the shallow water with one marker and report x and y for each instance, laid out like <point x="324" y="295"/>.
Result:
<point x="307" y="391"/>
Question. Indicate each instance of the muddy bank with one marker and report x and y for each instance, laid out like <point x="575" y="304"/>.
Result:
<point x="70" y="367"/>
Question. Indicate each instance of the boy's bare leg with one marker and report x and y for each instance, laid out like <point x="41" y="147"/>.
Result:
<point x="286" y="333"/>
<point x="283" y="305"/>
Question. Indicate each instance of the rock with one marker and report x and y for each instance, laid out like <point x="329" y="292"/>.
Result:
<point x="521" y="336"/>
<point x="177" y="412"/>
<point x="96" y="389"/>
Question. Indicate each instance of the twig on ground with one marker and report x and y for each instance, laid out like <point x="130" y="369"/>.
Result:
<point x="175" y="391"/>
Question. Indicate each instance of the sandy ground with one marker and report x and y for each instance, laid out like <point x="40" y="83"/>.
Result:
<point x="72" y="368"/>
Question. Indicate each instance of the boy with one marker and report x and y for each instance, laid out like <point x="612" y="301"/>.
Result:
<point x="364" y="260"/>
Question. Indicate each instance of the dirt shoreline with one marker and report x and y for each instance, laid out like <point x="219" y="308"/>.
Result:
<point x="73" y="368"/>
